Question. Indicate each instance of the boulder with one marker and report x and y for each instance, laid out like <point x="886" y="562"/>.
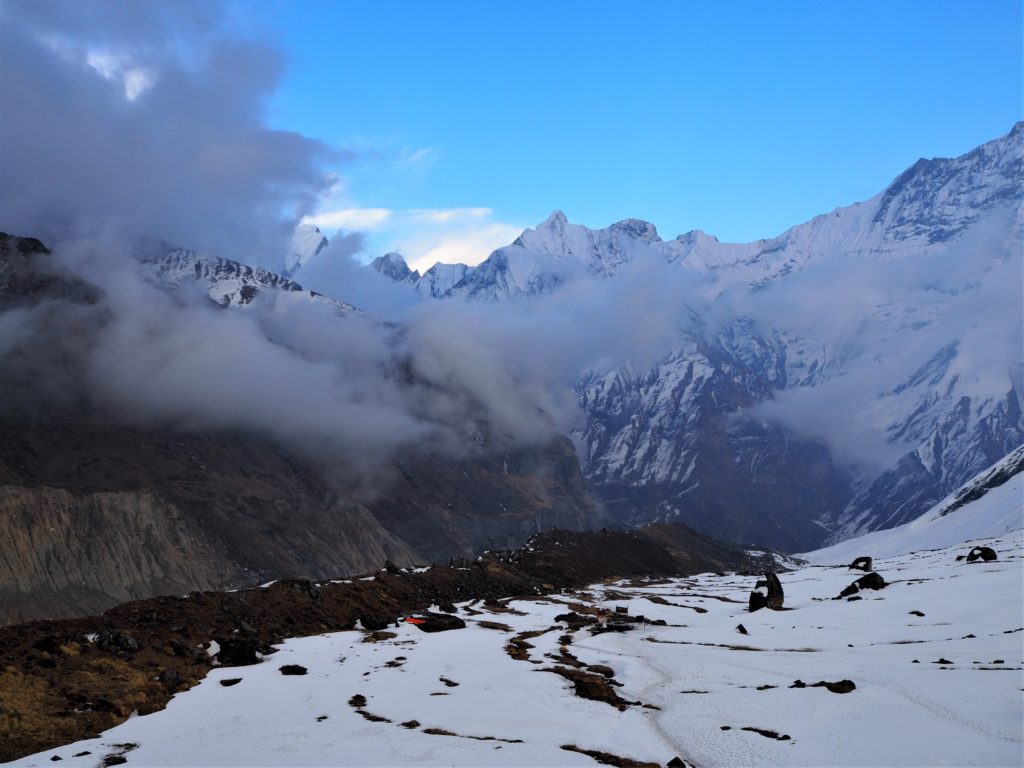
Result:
<point x="374" y="622"/>
<point x="238" y="651"/>
<point x="985" y="554"/>
<point x="767" y="593"/>
<point x="293" y="669"/>
<point x="868" y="581"/>
<point x="862" y="563"/>
<point x="439" y="622"/>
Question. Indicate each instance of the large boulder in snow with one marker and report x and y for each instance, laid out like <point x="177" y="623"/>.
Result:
<point x="861" y="564"/>
<point x="985" y="554"/>
<point x="868" y="581"/>
<point x="767" y="593"/>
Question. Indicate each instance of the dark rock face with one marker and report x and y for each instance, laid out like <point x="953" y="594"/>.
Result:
<point x="985" y="554"/>
<point x="861" y="564"/>
<point x="868" y="581"/>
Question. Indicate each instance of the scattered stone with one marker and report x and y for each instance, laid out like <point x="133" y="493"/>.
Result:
<point x="861" y="564"/>
<point x="55" y="758"/>
<point x="842" y="686"/>
<point x="854" y="598"/>
<point x="82" y="754"/>
<point x="321" y="718"/>
<point x="114" y="760"/>
<point x="985" y="554"/>
<point x="766" y="687"/>
<point x="449" y="683"/>
<point x="741" y="629"/>
<point x="357" y="701"/>
<point x="607" y="758"/>
<point x="942" y="661"/>
<point x="170" y="678"/>
<point x="379" y="636"/>
<point x="410" y="724"/>
<point x="231" y="681"/>
<point x="117" y="641"/>
<point x="968" y="637"/>
<point x="915" y="661"/>
<point x="999" y="661"/>
<point x="798" y="684"/>
<point x="293" y="669"/>
<point x="676" y="762"/>
<point x="726" y="727"/>
<point x="917" y="613"/>
<point x="766" y="733"/>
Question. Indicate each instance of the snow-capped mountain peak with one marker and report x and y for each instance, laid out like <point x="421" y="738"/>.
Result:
<point x="394" y="266"/>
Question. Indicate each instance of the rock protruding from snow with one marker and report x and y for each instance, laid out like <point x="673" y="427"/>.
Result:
<point x="393" y="265"/>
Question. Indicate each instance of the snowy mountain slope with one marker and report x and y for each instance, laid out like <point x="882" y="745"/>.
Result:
<point x="307" y="242"/>
<point x="231" y="283"/>
<point x="937" y="687"/>
<point x="991" y="504"/>
<point x="886" y="331"/>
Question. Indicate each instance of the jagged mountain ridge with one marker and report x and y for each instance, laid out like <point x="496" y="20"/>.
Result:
<point x="640" y="442"/>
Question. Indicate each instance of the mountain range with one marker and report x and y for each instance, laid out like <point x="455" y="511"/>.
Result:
<point x="839" y="378"/>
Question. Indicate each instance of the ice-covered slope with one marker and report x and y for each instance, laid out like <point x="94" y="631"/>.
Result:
<point x="991" y="504"/>
<point x="935" y="661"/>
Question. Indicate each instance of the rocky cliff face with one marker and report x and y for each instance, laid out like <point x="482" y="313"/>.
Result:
<point x="96" y="508"/>
<point x="91" y="516"/>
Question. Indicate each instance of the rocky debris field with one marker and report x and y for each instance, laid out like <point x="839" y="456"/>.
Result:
<point x="61" y="681"/>
<point x="628" y="672"/>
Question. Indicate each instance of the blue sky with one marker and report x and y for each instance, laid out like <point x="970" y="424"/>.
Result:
<point x="467" y="121"/>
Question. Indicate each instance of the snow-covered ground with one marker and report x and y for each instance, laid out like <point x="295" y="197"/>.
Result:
<point x="942" y="688"/>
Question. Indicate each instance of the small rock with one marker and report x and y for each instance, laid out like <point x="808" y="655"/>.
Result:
<point x="798" y="684"/>
<point x="942" y="661"/>
<point x="676" y="762"/>
<point x="741" y="629"/>
<point x="55" y="758"/>
<point x="410" y="724"/>
<point x="231" y="681"/>
<point x="293" y="669"/>
<point x="917" y="613"/>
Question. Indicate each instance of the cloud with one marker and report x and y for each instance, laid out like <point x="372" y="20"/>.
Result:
<point x="466" y="245"/>
<point x="424" y="236"/>
<point x="150" y="116"/>
<point x="351" y="218"/>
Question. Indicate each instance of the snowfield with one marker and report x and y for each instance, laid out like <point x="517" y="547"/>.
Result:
<point x="942" y="688"/>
